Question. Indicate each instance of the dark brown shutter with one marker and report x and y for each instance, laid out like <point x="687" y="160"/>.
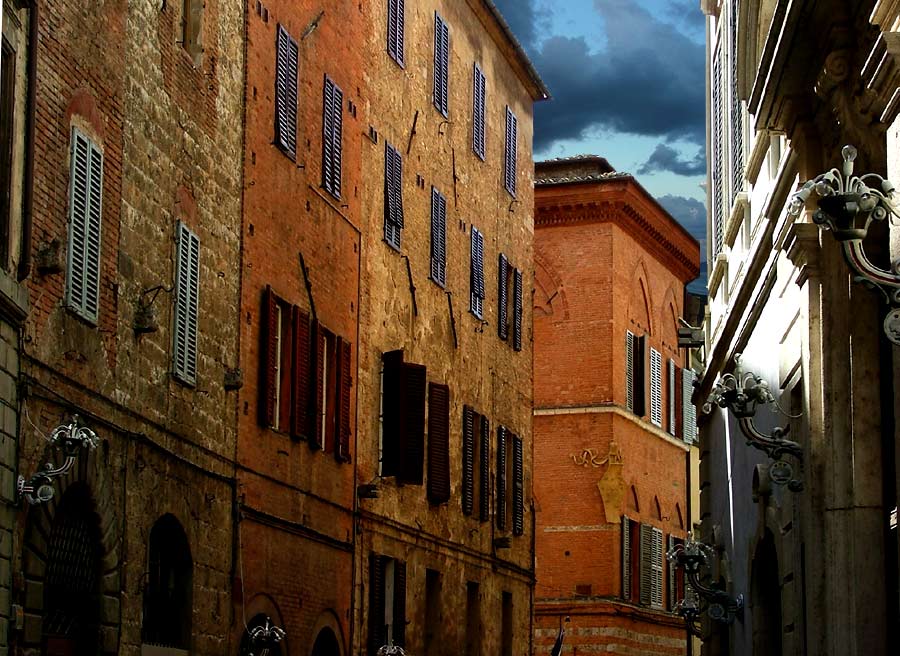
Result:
<point x="501" y="478"/>
<point x="517" y="310"/>
<point x="391" y="412"/>
<point x="679" y="403"/>
<point x="502" y="298"/>
<point x="301" y="384"/>
<point x="345" y="387"/>
<point x="412" y="451"/>
<point x="268" y="366"/>
<point x="646" y="564"/>
<point x="518" y="487"/>
<point x="438" y="443"/>
<point x="399" y="603"/>
<point x="377" y="633"/>
<point x="640" y="368"/>
<point x="316" y="440"/>
<point x="468" y="461"/>
<point x="626" y="558"/>
<point x="484" y="474"/>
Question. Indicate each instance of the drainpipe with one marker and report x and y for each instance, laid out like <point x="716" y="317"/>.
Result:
<point x="30" y="110"/>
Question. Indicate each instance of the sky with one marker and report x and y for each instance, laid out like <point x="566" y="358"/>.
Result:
<point x="627" y="83"/>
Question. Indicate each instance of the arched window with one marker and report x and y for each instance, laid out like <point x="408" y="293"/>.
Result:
<point x="168" y="588"/>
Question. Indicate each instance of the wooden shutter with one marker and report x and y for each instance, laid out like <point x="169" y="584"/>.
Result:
<point x="640" y="389"/>
<point x="656" y="556"/>
<point x="399" y="603"/>
<point x="438" y="237"/>
<point x="344" y="390"/>
<point x="670" y="396"/>
<point x="517" y="310"/>
<point x="501" y="478"/>
<point x="377" y="633"/>
<point x="332" y="125"/>
<point x="626" y="558"/>
<point x="412" y="450"/>
<point x="187" y="291"/>
<point x="484" y="474"/>
<point x="646" y="570"/>
<point x="441" y="63"/>
<point x="478" y="112"/>
<point x="476" y="304"/>
<point x="737" y="123"/>
<point x="286" y="56"/>
<point x="438" y="443"/>
<point x="679" y="403"/>
<point x="502" y="298"/>
<point x="300" y="379"/>
<point x="671" y="577"/>
<point x="510" y="171"/>
<point x="393" y="197"/>
<point x="317" y="440"/>
<point x="689" y="411"/>
<point x="391" y="412"/>
<point x="518" y="487"/>
<point x="468" y="461"/>
<point x="655" y="387"/>
<point x="268" y="365"/>
<point x="85" y="213"/>
<point x="718" y="146"/>
<point x="395" y="30"/>
<point x="629" y="370"/>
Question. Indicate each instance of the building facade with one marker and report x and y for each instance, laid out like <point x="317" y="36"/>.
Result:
<point x="612" y="413"/>
<point x="790" y="84"/>
<point x="445" y="542"/>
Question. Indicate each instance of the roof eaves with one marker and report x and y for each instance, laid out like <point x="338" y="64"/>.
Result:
<point x="520" y="52"/>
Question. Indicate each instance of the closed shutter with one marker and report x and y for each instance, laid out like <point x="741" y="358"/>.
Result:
<point x="268" y="365"/>
<point x="377" y="626"/>
<point x="399" y="625"/>
<point x="737" y="115"/>
<point x="438" y="237"/>
<point x="345" y="387"/>
<point x="468" y="461"/>
<point x="320" y="341"/>
<point x="718" y="144"/>
<point x="441" y="63"/>
<point x="670" y="396"/>
<point x="187" y="292"/>
<point x="671" y="592"/>
<point x="679" y="403"/>
<point x="391" y="412"/>
<point x="332" y="126"/>
<point x="395" y="30"/>
<point x="510" y="171"/>
<point x="438" y="443"/>
<point x="478" y="112"/>
<point x="629" y="370"/>
<point x="517" y="310"/>
<point x="412" y="450"/>
<point x="484" y="474"/>
<point x="655" y="387"/>
<point x="656" y="555"/>
<point x="393" y="196"/>
<point x="286" y="55"/>
<point x="85" y="213"/>
<point x="502" y="297"/>
<point x="640" y="378"/>
<point x="300" y="396"/>
<point x="518" y="487"/>
<point x="477" y="278"/>
<point x="501" y="478"/>
<point x="646" y="565"/>
<point x="689" y="410"/>
<point x="626" y="558"/>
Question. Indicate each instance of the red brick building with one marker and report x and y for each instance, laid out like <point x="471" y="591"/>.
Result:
<point x="610" y="463"/>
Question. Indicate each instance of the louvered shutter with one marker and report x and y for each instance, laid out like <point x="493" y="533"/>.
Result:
<point x="501" y="478"/>
<point x="718" y="143"/>
<point x="671" y="577"/>
<point x="518" y="487"/>
<point x="510" y="171"/>
<point x="187" y="290"/>
<point x="286" y="57"/>
<point x="640" y="379"/>
<point x="300" y="388"/>
<point x="345" y="387"/>
<point x="399" y="625"/>
<point x="477" y="277"/>
<point x="438" y="443"/>
<point x="332" y="126"/>
<point x="670" y="396"/>
<point x="655" y="387"/>
<point x="317" y="440"/>
<point x="393" y="197"/>
<point x="737" y="123"/>
<point x="646" y="564"/>
<point x="268" y="365"/>
<point x="502" y="298"/>
<point x="689" y="411"/>
<point x="377" y="626"/>
<point x="517" y="310"/>
<point x="626" y="558"/>
<point x="484" y="474"/>
<point x="412" y="450"/>
<point x="395" y="30"/>
<point x="85" y="214"/>
<point x="468" y="461"/>
<point x="391" y="412"/>
<point x="656" y="555"/>
<point x="478" y="111"/>
<point x="441" y="64"/>
<point x="679" y="403"/>
<point x="629" y="370"/>
<point x="438" y="237"/>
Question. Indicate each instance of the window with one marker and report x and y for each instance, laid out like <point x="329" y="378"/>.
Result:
<point x="332" y="119"/>
<point x="191" y="26"/>
<point x="387" y="602"/>
<point x="484" y="470"/>
<point x="476" y="296"/>
<point x="635" y="357"/>
<point x="517" y="310"/>
<point x="438" y="237"/>
<point x="478" y="122"/>
<point x="518" y="486"/>
<point x="395" y="30"/>
<point x="331" y="393"/>
<point x="689" y="412"/>
<point x="393" y="196"/>
<point x="168" y="591"/>
<point x="506" y="275"/>
<point x="655" y="387"/>
<point x="631" y="559"/>
<point x="403" y="419"/>
<point x="473" y="619"/>
<point x="510" y="164"/>
<point x="510" y="473"/>
<point x="85" y="211"/>
<point x="432" y="612"/>
<point x="737" y="114"/>
<point x="506" y="628"/>
<point x="468" y="460"/>
<point x="438" y="443"/>
<point x="286" y="52"/>
<point x="651" y="566"/>
<point x="187" y="290"/>
<point x="7" y="109"/>
<point x="441" y="63"/>
<point x="671" y="400"/>
<point x="476" y="463"/>
<point x="718" y="164"/>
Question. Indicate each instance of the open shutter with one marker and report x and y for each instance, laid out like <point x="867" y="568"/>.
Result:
<point x="301" y="384"/>
<point x="438" y="443"/>
<point x="689" y="411"/>
<point x="656" y="555"/>
<point x="395" y="30"/>
<point x="317" y="440"/>
<point x="646" y="567"/>
<point x="640" y="389"/>
<point x="468" y="460"/>
<point x="391" y="412"/>
<point x="478" y="111"/>
<point x="399" y="603"/>
<point x="655" y="387"/>
<point x="393" y="196"/>
<point x="345" y="387"/>
<point x="517" y="310"/>
<point x="332" y="126"/>
<point x="441" y="63"/>
<point x="85" y="213"/>
<point x="477" y="277"/>
<point x="670" y="396"/>
<point x="187" y="289"/>
<point x="286" y="56"/>
<point x="484" y="474"/>
<point x="511" y="156"/>
<point x="626" y="558"/>
<point x="629" y="370"/>
<point x="438" y="237"/>
<point x="501" y="478"/>
<point x="412" y="450"/>
<point x="671" y="577"/>
<point x="502" y="297"/>
<point x="518" y="487"/>
<point x="268" y="365"/>
<point x="679" y="402"/>
<point x="377" y="633"/>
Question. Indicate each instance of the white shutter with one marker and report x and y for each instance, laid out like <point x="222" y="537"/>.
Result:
<point x="626" y="558"/>
<point x="655" y="387"/>
<point x="85" y="212"/>
<point x="646" y="564"/>
<point x="656" y="556"/>
<point x="689" y="412"/>
<point x="671" y="396"/>
<point x="187" y="289"/>
<point x="629" y="370"/>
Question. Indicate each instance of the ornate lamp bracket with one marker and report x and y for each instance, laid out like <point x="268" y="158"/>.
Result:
<point x="742" y="393"/>
<point x="265" y="637"/>
<point x="847" y="204"/>
<point x="692" y="556"/>
<point x="71" y="439"/>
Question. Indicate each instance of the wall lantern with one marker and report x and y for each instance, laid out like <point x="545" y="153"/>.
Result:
<point x="391" y="650"/>
<point x="265" y="637"/>
<point x="720" y="606"/>
<point x="742" y="393"/>
<point x="72" y="439"/>
<point x="847" y="205"/>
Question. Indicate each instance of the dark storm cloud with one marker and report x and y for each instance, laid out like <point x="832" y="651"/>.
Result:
<point x="665" y="158"/>
<point x="690" y="213"/>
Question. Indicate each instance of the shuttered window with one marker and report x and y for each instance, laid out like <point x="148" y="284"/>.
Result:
<point x="396" y="18"/>
<point x="441" y="63"/>
<point x="511" y="156"/>
<point x="468" y="461"/>
<point x="737" y="114"/>
<point x="679" y="403"/>
<point x="286" y="54"/>
<point x="503" y="298"/>
<point x="629" y="370"/>
<point x="387" y="602"/>
<point x="476" y="296"/>
<point x="689" y="410"/>
<point x="517" y="310"/>
<point x="438" y="443"/>
<point x="640" y="379"/>
<point x="270" y="359"/>
<point x="656" y="568"/>
<point x="655" y="387"/>
<point x="301" y="366"/>
<point x="626" y="558"/>
<point x="187" y="291"/>
<point x="484" y="469"/>
<point x="438" y="237"/>
<point x="718" y="144"/>
<point x="393" y="195"/>
<point x="478" y="111"/>
<point x="403" y="419"/>
<point x="332" y="125"/>
<point x="670" y="396"/>
<point x="322" y="339"/>
<point x="85" y="212"/>
<point x="344" y="371"/>
<point x="501" y="478"/>
<point x="518" y="487"/>
<point x="646" y="564"/>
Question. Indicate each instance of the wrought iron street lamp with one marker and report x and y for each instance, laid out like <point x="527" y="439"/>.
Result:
<point x="847" y="204"/>
<point x="691" y="556"/>
<point x="265" y="637"/>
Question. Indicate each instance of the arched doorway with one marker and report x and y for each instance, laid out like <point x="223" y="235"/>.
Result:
<point x="765" y="598"/>
<point x="168" y="594"/>
<point x="326" y="644"/>
<point x="72" y="586"/>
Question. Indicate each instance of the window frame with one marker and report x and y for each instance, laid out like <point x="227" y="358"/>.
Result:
<point x="185" y="369"/>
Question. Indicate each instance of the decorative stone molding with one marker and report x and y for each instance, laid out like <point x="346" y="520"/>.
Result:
<point x="736" y="218"/>
<point x="717" y="274"/>
<point x="802" y="247"/>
